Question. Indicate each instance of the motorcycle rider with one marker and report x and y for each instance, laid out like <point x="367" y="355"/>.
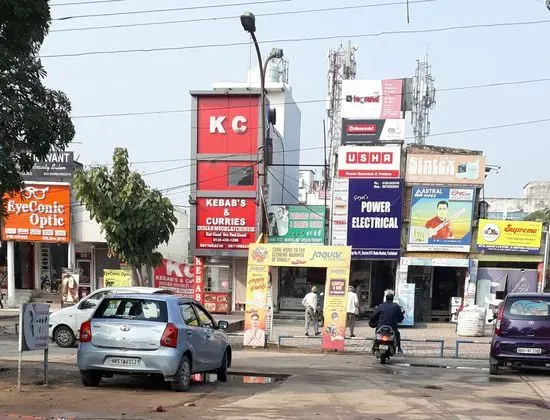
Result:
<point x="391" y="314"/>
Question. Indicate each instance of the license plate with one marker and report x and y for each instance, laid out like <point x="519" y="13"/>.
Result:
<point x="524" y="350"/>
<point x="123" y="361"/>
<point x="383" y="347"/>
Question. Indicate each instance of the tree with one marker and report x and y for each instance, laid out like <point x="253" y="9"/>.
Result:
<point x="33" y="119"/>
<point x="539" y="216"/>
<point x="134" y="218"/>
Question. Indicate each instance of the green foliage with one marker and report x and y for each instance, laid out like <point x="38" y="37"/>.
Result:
<point x="135" y="218"/>
<point x="33" y="119"/>
<point x="539" y="216"/>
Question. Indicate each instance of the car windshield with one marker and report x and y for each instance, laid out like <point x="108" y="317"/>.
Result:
<point x="528" y="307"/>
<point x="127" y="308"/>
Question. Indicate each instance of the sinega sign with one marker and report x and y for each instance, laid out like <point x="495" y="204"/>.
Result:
<point x="39" y="213"/>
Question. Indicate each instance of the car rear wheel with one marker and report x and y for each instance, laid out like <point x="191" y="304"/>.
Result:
<point x="182" y="381"/>
<point x="64" y="337"/>
<point x="90" y="377"/>
<point x="222" y="371"/>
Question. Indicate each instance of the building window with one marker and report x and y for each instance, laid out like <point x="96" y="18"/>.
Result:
<point x="496" y="215"/>
<point x="516" y="215"/>
<point x="240" y="176"/>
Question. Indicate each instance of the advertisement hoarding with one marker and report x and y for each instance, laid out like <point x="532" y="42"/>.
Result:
<point x="509" y="237"/>
<point x="117" y="278"/>
<point x="367" y="132"/>
<point x="225" y="223"/>
<point x="374" y="99"/>
<point x="55" y="167"/>
<point x="441" y="219"/>
<point x="375" y="218"/>
<point x="33" y="326"/>
<point x="296" y="224"/>
<point x="335" y="308"/>
<point x="256" y="305"/>
<point x="375" y="162"/>
<point x="279" y="255"/>
<point x="70" y="290"/>
<point x="445" y="169"/>
<point x="175" y="276"/>
<point x="340" y="211"/>
<point x="38" y="213"/>
<point x="405" y="299"/>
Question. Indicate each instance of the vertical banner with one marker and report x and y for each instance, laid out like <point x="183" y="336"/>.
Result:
<point x="471" y="283"/>
<point x="256" y="301"/>
<point x="336" y="302"/>
<point x="405" y="299"/>
<point x="199" y="280"/>
<point x="70" y="278"/>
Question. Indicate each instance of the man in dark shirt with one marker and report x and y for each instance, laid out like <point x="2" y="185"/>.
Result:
<point x="391" y="314"/>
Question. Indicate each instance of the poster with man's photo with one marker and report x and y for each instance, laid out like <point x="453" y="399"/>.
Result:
<point x="296" y="224"/>
<point x="441" y="219"/>
<point x="70" y="293"/>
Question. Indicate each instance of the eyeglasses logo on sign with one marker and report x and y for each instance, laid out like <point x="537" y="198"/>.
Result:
<point x="38" y="193"/>
<point x="238" y="124"/>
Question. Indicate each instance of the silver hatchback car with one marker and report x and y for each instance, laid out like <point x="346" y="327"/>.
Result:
<point x="152" y="334"/>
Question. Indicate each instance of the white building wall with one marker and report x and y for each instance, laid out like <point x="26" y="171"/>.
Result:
<point x="536" y="196"/>
<point x="177" y="248"/>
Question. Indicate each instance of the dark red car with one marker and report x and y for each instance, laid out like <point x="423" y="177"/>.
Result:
<point x="522" y="331"/>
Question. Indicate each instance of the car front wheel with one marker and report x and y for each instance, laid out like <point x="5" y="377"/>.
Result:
<point x="64" y="337"/>
<point x="222" y="371"/>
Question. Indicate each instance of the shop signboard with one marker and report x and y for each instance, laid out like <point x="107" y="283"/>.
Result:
<point x="199" y="279"/>
<point x="375" y="162"/>
<point x="509" y="237"/>
<point x="225" y="223"/>
<point x="70" y="287"/>
<point x="374" y="99"/>
<point x="55" y="167"/>
<point x="175" y="276"/>
<point x="441" y="219"/>
<point x="445" y="169"/>
<point x="296" y="224"/>
<point x="373" y="132"/>
<point x="117" y="278"/>
<point x="40" y="212"/>
<point x="375" y="218"/>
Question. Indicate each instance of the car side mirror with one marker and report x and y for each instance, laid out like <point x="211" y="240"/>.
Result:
<point x="223" y="325"/>
<point x="87" y="305"/>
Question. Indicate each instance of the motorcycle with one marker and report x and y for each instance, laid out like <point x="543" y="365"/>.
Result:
<point x="385" y="343"/>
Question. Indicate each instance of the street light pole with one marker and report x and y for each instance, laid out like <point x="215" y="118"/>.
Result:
<point x="248" y="21"/>
<point x="545" y="263"/>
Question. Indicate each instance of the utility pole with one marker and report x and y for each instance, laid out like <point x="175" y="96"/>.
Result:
<point x="423" y="100"/>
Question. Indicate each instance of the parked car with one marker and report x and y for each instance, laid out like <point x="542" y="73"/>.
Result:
<point x="152" y="334"/>
<point x="522" y="331"/>
<point x="64" y="324"/>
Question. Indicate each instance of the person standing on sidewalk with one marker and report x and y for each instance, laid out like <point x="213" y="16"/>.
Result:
<point x="353" y="310"/>
<point x="310" y="303"/>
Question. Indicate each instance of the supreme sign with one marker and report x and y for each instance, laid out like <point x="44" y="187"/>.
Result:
<point x="39" y="213"/>
<point x="375" y="162"/>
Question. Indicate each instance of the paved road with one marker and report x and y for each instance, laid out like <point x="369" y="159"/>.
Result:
<point x="321" y="386"/>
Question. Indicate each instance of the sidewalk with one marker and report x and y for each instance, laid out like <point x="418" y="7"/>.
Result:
<point x="364" y="334"/>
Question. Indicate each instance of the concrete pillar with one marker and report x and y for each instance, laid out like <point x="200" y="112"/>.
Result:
<point x="37" y="264"/>
<point x="11" y="274"/>
<point x="71" y="257"/>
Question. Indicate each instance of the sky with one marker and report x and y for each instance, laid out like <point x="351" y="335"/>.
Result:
<point x="161" y="80"/>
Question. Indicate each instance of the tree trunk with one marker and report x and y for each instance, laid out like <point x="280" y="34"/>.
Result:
<point x="136" y="276"/>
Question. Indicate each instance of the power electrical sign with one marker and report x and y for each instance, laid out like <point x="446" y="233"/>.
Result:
<point x="225" y="223"/>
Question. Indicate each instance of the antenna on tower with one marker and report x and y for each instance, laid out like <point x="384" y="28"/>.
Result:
<point x="341" y="66"/>
<point x="423" y="100"/>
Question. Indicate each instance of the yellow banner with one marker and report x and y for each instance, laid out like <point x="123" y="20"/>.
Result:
<point x="295" y="255"/>
<point x="117" y="278"/>
<point x="335" y="308"/>
<point x="257" y="280"/>
<point x="507" y="236"/>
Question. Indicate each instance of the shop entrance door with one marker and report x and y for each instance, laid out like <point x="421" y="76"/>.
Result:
<point x="422" y="278"/>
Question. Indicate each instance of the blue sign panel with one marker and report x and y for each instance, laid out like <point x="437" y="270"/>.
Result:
<point x="375" y="218"/>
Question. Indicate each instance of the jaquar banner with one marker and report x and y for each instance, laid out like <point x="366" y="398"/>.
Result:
<point x="299" y="255"/>
<point x="441" y="219"/>
<point x="509" y="237"/>
<point x="296" y="224"/>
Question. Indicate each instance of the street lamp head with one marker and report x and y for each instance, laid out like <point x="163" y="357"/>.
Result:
<point x="248" y="20"/>
<point x="278" y="52"/>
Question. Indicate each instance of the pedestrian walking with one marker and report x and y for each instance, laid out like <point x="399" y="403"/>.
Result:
<point x="353" y="310"/>
<point x="310" y="303"/>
